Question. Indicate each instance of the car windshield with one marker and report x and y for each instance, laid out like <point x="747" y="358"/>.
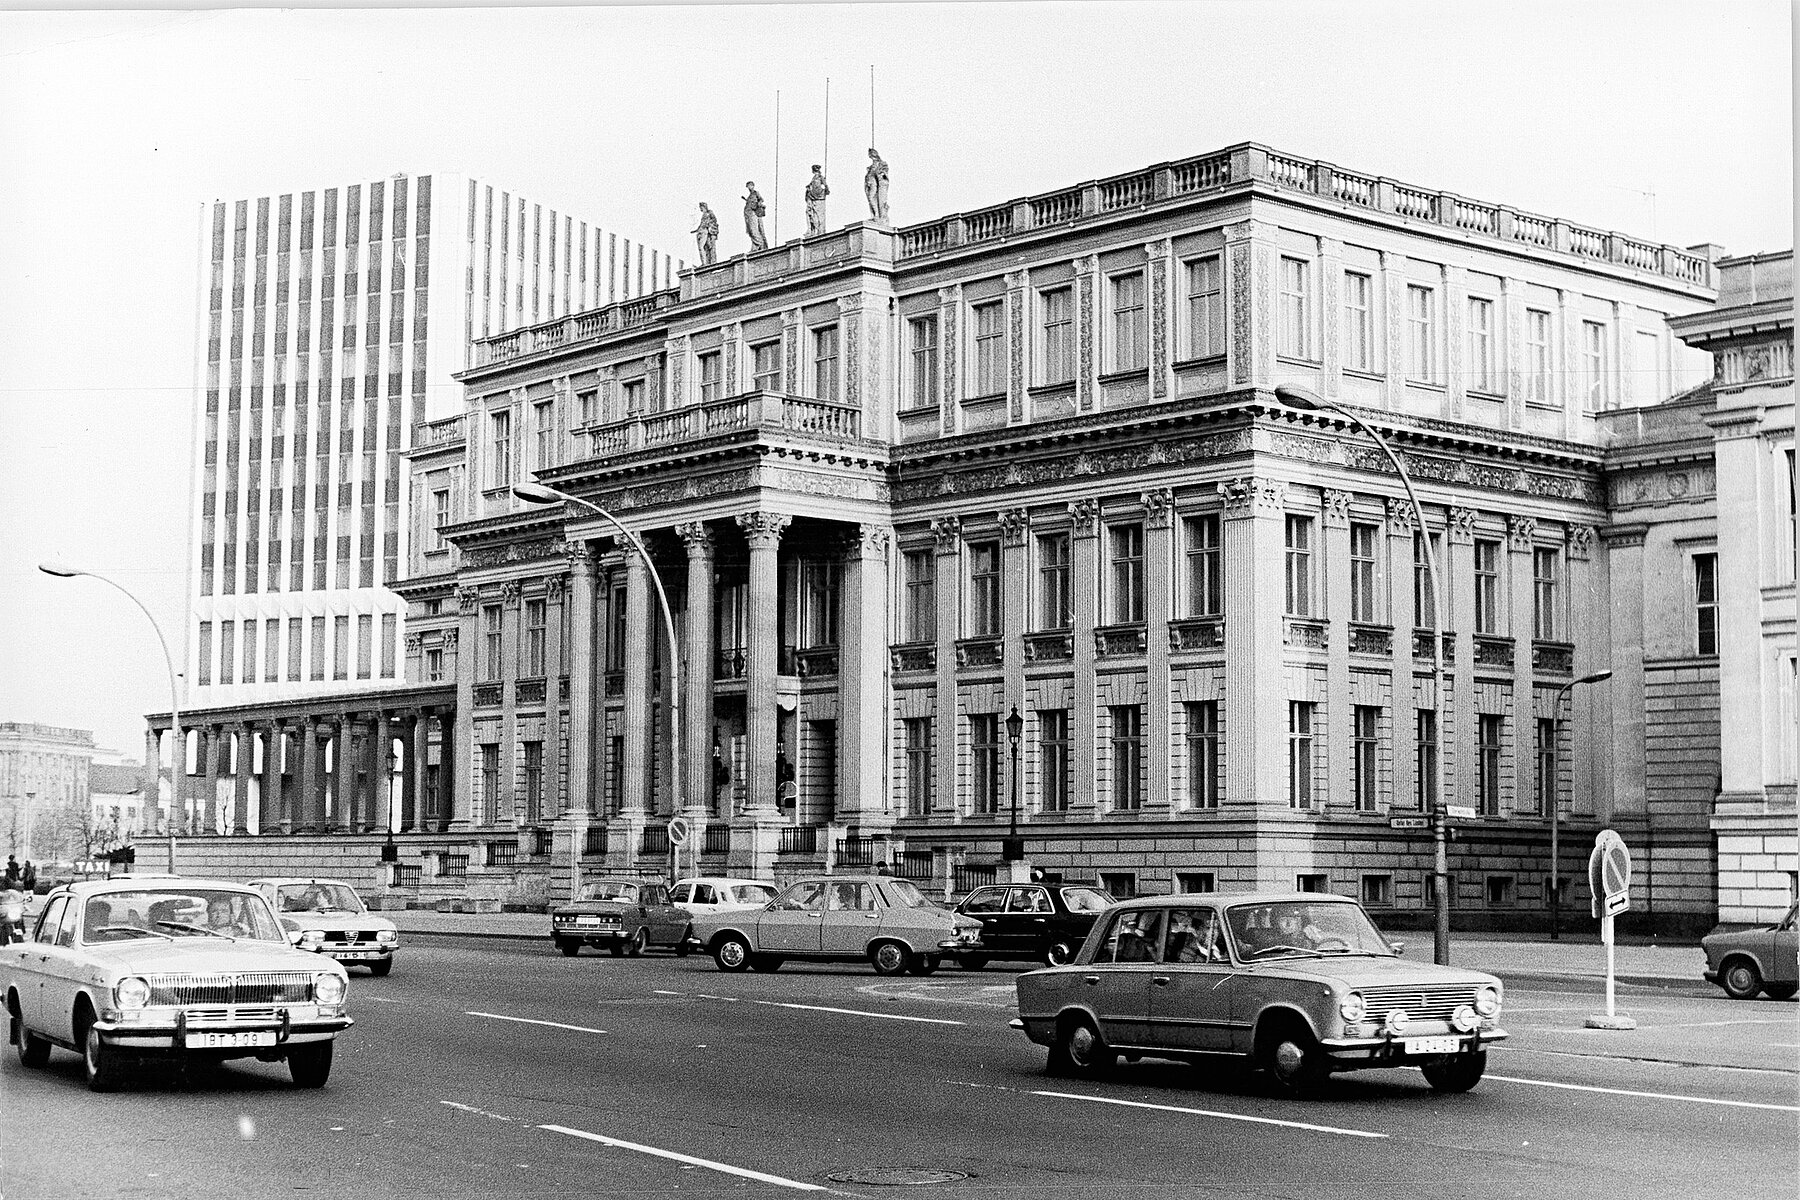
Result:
<point x="1303" y="928"/>
<point x="610" y="889"/>
<point x="752" y="893"/>
<point x="178" y="913"/>
<point x="317" y="897"/>
<point x="904" y="894"/>
<point x="1085" y="900"/>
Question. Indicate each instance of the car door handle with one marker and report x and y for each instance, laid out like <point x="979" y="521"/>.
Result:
<point x="1160" y="980"/>
<point x="1091" y="980"/>
<point x="1037" y="920"/>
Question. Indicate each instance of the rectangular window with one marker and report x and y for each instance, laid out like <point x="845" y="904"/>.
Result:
<point x="635" y="392"/>
<point x="1055" y="599"/>
<point x="543" y="426"/>
<point x="1500" y="891"/>
<point x="984" y="589"/>
<point x="1546" y="569"/>
<point x="766" y="366"/>
<point x="1421" y="333"/>
<point x="500" y="450"/>
<point x="1537" y="357"/>
<point x="1127" y="757"/>
<point x="1593" y="366"/>
<point x="365" y="645"/>
<point x="1423" y="606"/>
<point x="1544" y="780"/>
<point x="1488" y="732"/>
<point x="490" y="644"/>
<point x="295" y="632"/>
<point x="340" y="648"/>
<point x="1366" y="723"/>
<point x="1130" y="348"/>
<point x="924" y="391"/>
<point x="1487" y="587"/>
<point x="318" y="648"/>
<point x="1120" y="885"/>
<point x="990" y="348"/>
<point x="1126" y="595"/>
<point x="920" y="573"/>
<point x="440" y="517"/>
<point x="536" y="618"/>
<point x="712" y="376"/>
<point x="490" y="780"/>
<point x="1053" y="758"/>
<point x="1059" y="335"/>
<point x="1364" y="600"/>
<point x="1203" y="753"/>
<point x="825" y="363"/>
<point x="918" y="766"/>
<point x="821" y="594"/>
<point x="1195" y="883"/>
<point x="1299" y="578"/>
<point x="1205" y="581"/>
<point x="272" y="650"/>
<point x="1378" y="891"/>
<point x="984" y="762"/>
<point x="587" y="406"/>
<point x="1706" y="604"/>
<point x="1296" y="308"/>
<point x="227" y="652"/>
<point x="1359" y="322"/>
<point x="534" y="781"/>
<point x="248" y="660"/>
<point x="1300" y="754"/>
<point x="1206" y="308"/>
<point x="1480" y="348"/>
<point x="204" y="653"/>
<point x="1431" y="890"/>
<point x="1312" y="881"/>
<point x="434" y="665"/>
<point x="1425" y="773"/>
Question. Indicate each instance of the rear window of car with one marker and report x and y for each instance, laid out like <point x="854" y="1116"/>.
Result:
<point x="752" y="893"/>
<point x="987" y="900"/>
<point x="1085" y="900"/>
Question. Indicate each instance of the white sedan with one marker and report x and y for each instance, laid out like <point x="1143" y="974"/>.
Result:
<point x="707" y="894"/>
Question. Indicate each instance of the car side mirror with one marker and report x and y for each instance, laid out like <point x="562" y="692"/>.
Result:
<point x="1397" y="947"/>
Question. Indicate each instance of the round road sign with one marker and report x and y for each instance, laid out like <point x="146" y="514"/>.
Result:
<point x="679" y="831"/>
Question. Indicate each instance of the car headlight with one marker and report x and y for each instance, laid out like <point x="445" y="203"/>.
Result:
<point x="132" y="993"/>
<point x="1487" y="1001"/>
<point x="1464" y="1019"/>
<point x="387" y="937"/>
<point x="1396" y="1020"/>
<point x="328" y="988"/>
<point x="1352" y="1007"/>
<point x="310" y="939"/>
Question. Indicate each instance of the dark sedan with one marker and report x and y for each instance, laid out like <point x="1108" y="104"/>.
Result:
<point x="1749" y="961"/>
<point x="624" y="915"/>
<point x="1031" y="922"/>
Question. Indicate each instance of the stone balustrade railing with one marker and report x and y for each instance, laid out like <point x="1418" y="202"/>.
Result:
<point x="752" y="410"/>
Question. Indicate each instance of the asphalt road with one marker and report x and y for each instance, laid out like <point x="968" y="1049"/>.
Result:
<point x="502" y="1069"/>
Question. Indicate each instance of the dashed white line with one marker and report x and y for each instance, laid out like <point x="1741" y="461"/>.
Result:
<point x="688" y="1159"/>
<point x="528" y="1021"/>
<point x="377" y="999"/>
<point x="470" y="1108"/>
<point x="859" y="1012"/>
<point x="1584" y="1087"/>
<point x="1204" y="1112"/>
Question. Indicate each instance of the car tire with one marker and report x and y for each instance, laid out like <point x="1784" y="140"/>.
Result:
<point x="765" y="964"/>
<point x="732" y="953"/>
<point x="616" y="949"/>
<point x="1455" y="1072"/>
<point x="1778" y="991"/>
<point x="639" y="941"/>
<point x="310" y="1065"/>
<point x="1079" y="1051"/>
<point x="34" y="1051"/>
<point x="381" y="967"/>
<point x="1059" y="954"/>
<point x="925" y="964"/>
<point x="890" y="958"/>
<point x="100" y="1062"/>
<point x="569" y="948"/>
<point x="1740" y="979"/>
<point x="1293" y="1061"/>
<point x="972" y="962"/>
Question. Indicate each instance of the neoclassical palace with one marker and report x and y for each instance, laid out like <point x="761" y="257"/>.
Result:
<point x="996" y="523"/>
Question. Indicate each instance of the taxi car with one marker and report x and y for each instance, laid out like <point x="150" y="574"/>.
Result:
<point x="878" y="919"/>
<point x="186" y="970"/>
<point x="1747" y="961"/>
<point x="624" y="915"/>
<point x="1035" y="922"/>
<point x="1302" y="984"/>
<point x="327" y="917"/>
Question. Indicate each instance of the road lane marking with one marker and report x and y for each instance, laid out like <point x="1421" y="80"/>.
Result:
<point x="860" y="1012"/>
<point x="1717" y="1024"/>
<point x="1584" y="1087"/>
<point x="470" y="1108"/>
<point x="690" y="1160"/>
<point x="377" y="999"/>
<point x="1206" y="1112"/>
<point x="529" y="1021"/>
<point x="660" y="992"/>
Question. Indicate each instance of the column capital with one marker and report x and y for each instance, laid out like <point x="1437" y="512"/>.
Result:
<point x="1581" y="542"/>
<point x="852" y="303"/>
<point x="414" y="642"/>
<point x="1462" y="526"/>
<point x="763" y="530"/>
<point x="1086" y="516"/>
<point x="468" y="599"/>
<point x="449" y="638"/>
<point x="872" y="541"/>
<point x="948" y="533"/>
<point x="1523" y="531"/>
<point x="1014" y="524"/>
<point x="1402" y="517"/>
<point x="510" y="593"/>
<point x="580" y="556"/>
<point x="1159" y="508"/>
<point x="1337" y="508"/>
<point x="1249" y="496"/>
<point x="554" y="586"/>
<point x="697" y="538"/>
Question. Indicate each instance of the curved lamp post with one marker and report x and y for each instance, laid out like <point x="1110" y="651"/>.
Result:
<point x="1554" y="798"/>
<point x="178" y="747"/>
<point x="537" y="493"/>
<point x="1306" y="399"/>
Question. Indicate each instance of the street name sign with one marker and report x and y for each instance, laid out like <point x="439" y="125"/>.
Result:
<point x="1459" y="810"/>
<point x="1409" y="822"/>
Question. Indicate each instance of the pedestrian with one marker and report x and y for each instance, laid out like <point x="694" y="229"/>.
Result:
<point x="12" y="872"/>
<point x="28" y="877"/>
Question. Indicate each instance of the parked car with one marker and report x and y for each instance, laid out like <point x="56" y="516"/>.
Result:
<point x="839" y="918"/>
<point x="707" y="894"/>
<point x="1302" y="984"/>
<point x="1755" y="960"/>
<point x="183" y="969"/>
<point x="327" y="917"/>
<point x="625" y="915"/>
<point x="1034" y="922"/>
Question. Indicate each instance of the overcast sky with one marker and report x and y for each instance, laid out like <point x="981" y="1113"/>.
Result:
<point x="1670" y="121"/>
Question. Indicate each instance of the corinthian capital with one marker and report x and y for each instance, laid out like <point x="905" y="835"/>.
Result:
<point x="1014" y="523"/>
<point x="763" y="529"/>
<point x="697" y="538"/>
<point x="1159" y="508"/>
<point x="468" y="600"/>
<point x="947" y="531"/>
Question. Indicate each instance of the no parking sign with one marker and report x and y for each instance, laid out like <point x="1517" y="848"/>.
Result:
<point x="1609" y="875"/>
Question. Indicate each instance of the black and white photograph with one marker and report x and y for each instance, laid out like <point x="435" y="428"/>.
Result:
<point x="1087" y="600"/>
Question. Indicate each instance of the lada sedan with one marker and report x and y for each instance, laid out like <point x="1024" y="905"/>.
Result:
<point x="1301" y="984"/>
<point x="1032" y="922"/>
<point x="878" y="919"/>
<point x="327" y="917"/>
<point x="178" y="969"/>
<point x="624" y="915"/>
<point x="1748" y="961"/>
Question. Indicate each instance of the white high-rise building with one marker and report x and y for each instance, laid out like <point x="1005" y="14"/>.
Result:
<point x="332" y="323"/>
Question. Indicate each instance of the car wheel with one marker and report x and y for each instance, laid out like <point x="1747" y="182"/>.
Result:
<point x="639" y="940"/>
<point x="1455" y="1072"/>
<point x="1079" y="1050"/>
<point x="1779" y="991"/>
<point x="34" y="1051"/>
<point x="100" y="1062"/>
<point x="732" y="953"/>
<point x="1740" y="979"/>
<point x="972" y="962"/>
<point x="925" y="964"/>
<point x="1059" y="954"/>
<point x="766" y="964"/>
<point x="569" y="948"/>
<point x="310" y="1065"/>
<point x="1293" y="1060"/>
<point x="616" y="949"/>
<point x="891" y="958"/>
<point x="381" y="966"/>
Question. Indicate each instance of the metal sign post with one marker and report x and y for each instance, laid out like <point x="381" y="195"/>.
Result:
<point x="679" y="832"/>
<point x="1609" y="890"/>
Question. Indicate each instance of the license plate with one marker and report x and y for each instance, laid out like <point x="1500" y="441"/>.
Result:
<point x="215" y="1041"/>
<point x="358" y="954"/>
<point x="596" y="920"/>
<point x="1433" y="1045"/>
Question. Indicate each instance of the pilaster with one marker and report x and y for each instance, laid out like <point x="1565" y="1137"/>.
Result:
<point x="246" y="759"/>
<point x="343" y="779"/>
<point x="584" y="736"/>
<point x="556" y="601"/>
<point x="460" y="785"/>
<point x="635" y="727"/>
<point x="380" y="813"/>
<point x="948" y="593"/>
<point x="1340" y="732"/>
<point x="1402" y="530"/>
<point x="697" y="688"/>
<point x="1084" y="574"/>
<point x="762" y="530"/>
<point x="306" y="806"/>
<point x="1255" y="691"/>
<point x="506" y="800"/>
<point x="1455" y="573"/>
<point x="1520" y="532"/>
<point x="864" y="708"/>
<point x="950" y="385"/>
<point x="1159" y="590"/>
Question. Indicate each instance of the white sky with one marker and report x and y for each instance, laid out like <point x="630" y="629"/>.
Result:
<point x="115" y="126"/>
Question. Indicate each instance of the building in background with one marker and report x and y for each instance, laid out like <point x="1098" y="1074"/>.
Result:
<point x="44" y="772"/>
<point x="121" y="810"/>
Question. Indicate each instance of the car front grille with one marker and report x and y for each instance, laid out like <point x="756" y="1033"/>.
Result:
<point x="350" y="937"/>
<point x="1427" y="1002"/>
<point x="200" y="1018"/>
<point x="251" y="987"/>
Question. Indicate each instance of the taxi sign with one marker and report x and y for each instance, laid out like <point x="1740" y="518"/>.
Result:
<point x="1609" y="875"/>
<point x="679" y="831"/>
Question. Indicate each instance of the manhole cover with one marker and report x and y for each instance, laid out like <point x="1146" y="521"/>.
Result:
<point x="896" y="1176"/>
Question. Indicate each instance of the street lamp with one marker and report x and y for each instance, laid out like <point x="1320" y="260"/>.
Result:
<point x="178" y="748"/>
<point x="1555" y="808"/>
<point x="1015" y="846"/>
<point x="537" y="493"/>
<point x="1295" y="396"/>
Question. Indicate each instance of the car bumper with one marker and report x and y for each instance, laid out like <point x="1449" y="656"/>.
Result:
<point x="589" y="934"/>
<point x="178" y="1038"/>
<point x="1710" y="975"/>
<point x="959" y="946"/>
<point x="1394" y="1051"/>
<point x="358" y="954"/>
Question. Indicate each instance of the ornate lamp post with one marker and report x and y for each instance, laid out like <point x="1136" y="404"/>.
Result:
<point x="1015" y="846"/>
<point x="178" y="748"/>
<point x="1555" y="808"/>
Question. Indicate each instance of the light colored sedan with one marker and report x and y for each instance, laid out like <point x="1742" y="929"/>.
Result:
<point x="326" y="916"/>
<point x="705" y="895"/>
<point x="878" y="919"/>
<point x="1747" y="961"/>
<point x="182" y="969"/>
<point x="1300" y="983"/>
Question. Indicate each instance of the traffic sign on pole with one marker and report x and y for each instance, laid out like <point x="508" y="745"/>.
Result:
<point x="1609" y="891"/>
<point x="679" y="832"/>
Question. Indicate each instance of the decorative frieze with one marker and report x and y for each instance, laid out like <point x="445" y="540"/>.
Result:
<point x="979" y="652"/>
<point x="1114" y="641"/>
<point x="1305" y="634"/>
<point x="533" y="550"/>
<point x="1376" y="640"/>
<point x="1051" y="646"/>
<point x="1082" y="464"/>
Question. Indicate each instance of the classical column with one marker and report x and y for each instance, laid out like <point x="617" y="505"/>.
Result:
<point x="338" y="817"/>
<point x="697" y="691"/>
<point x="1458" y="565"/>
<point x="306" y="805"/>
<point x="208" y="809"/>
<point x="459" y="791"/>
<point x="448" y="765"/>
<point x="1255" y="688"/>
<point x="1749" y="509"/>
<point x="243" y="760"/>
<point x="584" y="735"/>
<point x="635" y="727"/>
<point x="1521" y="531"/>
<point x="947" y="736"/>
<point x="555" y="602"/>
<point x="1159" y="558"/>
<point x="1084" y="576"/>
<point x="506" y="798"/>
<point x="1340" y="702"/>
<point x="268" y="808"/>
<point x="381" y="775"/>
<point x="863" y="705"/>
<point x="152" y="778"/>
<point x="418" y="762"/>
<point x="762" y="530"/>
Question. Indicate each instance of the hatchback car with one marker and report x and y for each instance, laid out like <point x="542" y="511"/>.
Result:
<point x="180" y="969"/>
<point x="1034" y="922"/>
<point x="840" y="918"/>
<point x="627" y="916"/>
<point x="1749" y="961"/>
<point x="1301" y="984"/>
<point x="327" y="917"/>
